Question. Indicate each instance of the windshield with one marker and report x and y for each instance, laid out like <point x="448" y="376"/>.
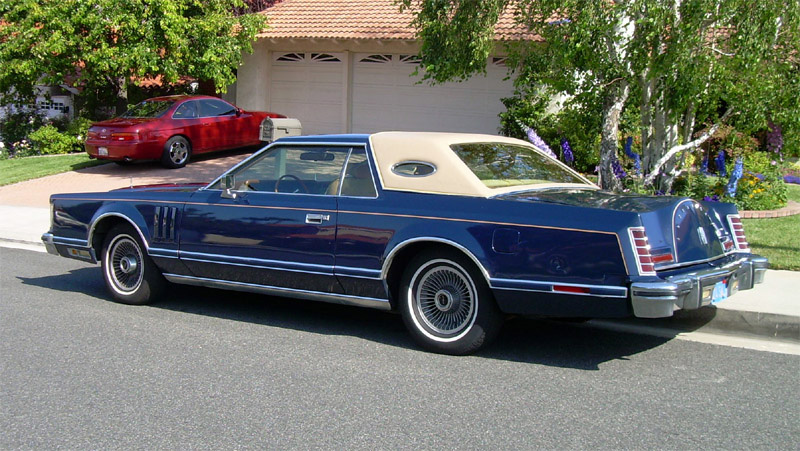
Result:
<point x="149" y="108"/>
<point x="499" y="165"/>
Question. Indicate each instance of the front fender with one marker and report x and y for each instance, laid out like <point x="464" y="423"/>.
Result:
<point x="112" y="213"/>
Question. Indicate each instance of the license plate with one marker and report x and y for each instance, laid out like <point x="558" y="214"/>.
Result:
<point x="720" y="293"/>
<point x="102" y="151"/>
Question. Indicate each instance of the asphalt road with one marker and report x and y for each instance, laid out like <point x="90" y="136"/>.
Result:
<point x="211" y="369"/>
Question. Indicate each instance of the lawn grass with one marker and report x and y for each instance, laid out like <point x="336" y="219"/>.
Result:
<point x="778" y="239"/>
<point x="20" y="169"/>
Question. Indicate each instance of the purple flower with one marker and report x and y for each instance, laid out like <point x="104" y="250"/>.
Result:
<point x="539" y="143"/>
<point x="774" y="138"/>
<point x="704" y="165"/>
<point x="792" y="179"/>
<point x="736" y="174"/>
<point x="713" y="198"/>
<point x="566" y="150"/>
<point x="637" y="161"/>
<point x="617" y="168"/>
<point x="722" y="171"/>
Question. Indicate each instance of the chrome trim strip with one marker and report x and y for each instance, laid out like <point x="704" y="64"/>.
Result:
<point x="361" y="273"/>
<point x="674" y="238"/>
<point x="256" y="262"/>
<point x="118" y="215"/>
<point x="69" y="241"/>
<point x="163" y="253"/>
<point x="695" y="262"/>
<point x="548" y="287"/>
<point x="388" y="261"/>
<point x="382" y="304"/>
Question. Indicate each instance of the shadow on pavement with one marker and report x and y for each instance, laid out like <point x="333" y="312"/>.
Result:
<point x="543" y="342"/>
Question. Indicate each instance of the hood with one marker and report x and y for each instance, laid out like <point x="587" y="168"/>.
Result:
<point x="165" y="187"/>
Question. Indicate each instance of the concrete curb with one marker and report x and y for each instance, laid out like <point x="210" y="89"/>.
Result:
<point x="725" y="321"/>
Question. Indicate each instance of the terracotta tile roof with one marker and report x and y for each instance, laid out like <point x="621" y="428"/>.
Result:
<point x="357" y="19"/>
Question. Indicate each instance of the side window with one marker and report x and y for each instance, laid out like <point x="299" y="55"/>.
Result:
<point x="187" y="110"/>
<point x="291" y="169"/>
<point x="215" y="108"/>
<point x="357" y="181"/>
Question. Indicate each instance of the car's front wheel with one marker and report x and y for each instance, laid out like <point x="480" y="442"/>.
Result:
<point x="447" y="305"/>
<point x="177" y="152"/>
<point x="130" y="274"/>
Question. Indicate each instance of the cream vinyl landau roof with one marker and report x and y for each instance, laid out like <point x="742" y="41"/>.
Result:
<point x="452" y="175"/>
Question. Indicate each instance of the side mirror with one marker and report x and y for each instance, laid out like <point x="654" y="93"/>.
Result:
<point x="239" y="112"/>
<point x="227" y="188"/>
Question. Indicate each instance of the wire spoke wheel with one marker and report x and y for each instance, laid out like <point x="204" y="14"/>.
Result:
<point x="125" y="268"/>
<point x="445" y="300"/>
<point x="446" y="303"/>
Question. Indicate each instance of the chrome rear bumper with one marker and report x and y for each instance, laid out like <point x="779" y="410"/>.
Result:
<point x="694" y="290"/>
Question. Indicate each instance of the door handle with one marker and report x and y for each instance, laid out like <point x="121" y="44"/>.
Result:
<point x="315" y="218"/>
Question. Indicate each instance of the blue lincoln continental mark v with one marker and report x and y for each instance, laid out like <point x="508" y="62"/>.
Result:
<point x="454" y="231"/>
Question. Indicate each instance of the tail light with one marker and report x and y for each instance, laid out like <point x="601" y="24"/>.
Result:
<point x="739" y="240"/>
<point x="91" y="134"/>
<point x="124" y="136"/>
<point x="641" y="249"/>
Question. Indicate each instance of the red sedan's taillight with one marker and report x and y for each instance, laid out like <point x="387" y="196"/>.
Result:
<point x="641" y="249"/>
<point x="92" y="134"/>
<point x="737" y="228"/>
<point x="122" y="136"/>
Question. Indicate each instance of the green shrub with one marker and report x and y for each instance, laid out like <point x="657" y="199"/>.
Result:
<point x="761" y="186"/>
<point x="48" y="140"/>
<point x="14" y="130"/>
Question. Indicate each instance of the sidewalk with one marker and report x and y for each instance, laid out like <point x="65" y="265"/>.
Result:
<point x="771" y="309"/>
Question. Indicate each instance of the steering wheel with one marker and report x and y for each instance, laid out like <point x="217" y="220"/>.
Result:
<point x="290" y="176"/>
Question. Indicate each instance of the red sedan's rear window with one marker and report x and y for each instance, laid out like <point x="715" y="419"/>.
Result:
<point x="149" y="109"/>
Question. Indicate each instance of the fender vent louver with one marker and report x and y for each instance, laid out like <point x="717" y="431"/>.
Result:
<point x="164" y="224"/>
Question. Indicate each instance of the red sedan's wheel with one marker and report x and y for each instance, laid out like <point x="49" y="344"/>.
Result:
<point x="177" y="152"/>
<point x="447" y="305"/>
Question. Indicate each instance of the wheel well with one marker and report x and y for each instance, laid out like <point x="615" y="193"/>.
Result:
<point x="402" y="258"/>
<point x="182" y="136"/>
<point x="101" y="230"/>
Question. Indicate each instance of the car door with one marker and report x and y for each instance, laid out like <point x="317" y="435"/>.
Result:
<point x="219" y="123"/>
<point x="269" y="222"/>
<point x="186" y="118"/>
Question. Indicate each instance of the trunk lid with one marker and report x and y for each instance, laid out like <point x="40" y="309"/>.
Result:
<point x="680" y="231"/>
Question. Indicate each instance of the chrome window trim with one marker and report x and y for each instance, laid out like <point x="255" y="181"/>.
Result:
<point x="270" y="146"/>
<point x="424" y="163"/>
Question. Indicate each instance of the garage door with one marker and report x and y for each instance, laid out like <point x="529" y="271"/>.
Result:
<point x="386" y="97"/>
<point x="308" y="86"/>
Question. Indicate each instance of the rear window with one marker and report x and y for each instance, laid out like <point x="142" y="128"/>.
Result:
<point x="149" y="109"/>
<point x="499" y="165"/>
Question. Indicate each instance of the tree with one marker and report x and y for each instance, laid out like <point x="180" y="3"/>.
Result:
<point x="679" y="62"/>
<point x="114" y="43"/>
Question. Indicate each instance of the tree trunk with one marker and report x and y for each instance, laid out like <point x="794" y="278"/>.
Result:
<point x="121" y="105"/>
<point x="612" y="110"/>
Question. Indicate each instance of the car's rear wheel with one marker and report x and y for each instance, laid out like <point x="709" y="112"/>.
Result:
<point x="130" y="274"/>
<point x="177" y="152"/>
<point x="446" y="303"/>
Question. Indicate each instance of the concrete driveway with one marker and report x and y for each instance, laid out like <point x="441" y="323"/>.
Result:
<point x="36" y="193"/>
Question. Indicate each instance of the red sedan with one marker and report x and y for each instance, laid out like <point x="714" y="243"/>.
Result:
<point x="173" y="128"/>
